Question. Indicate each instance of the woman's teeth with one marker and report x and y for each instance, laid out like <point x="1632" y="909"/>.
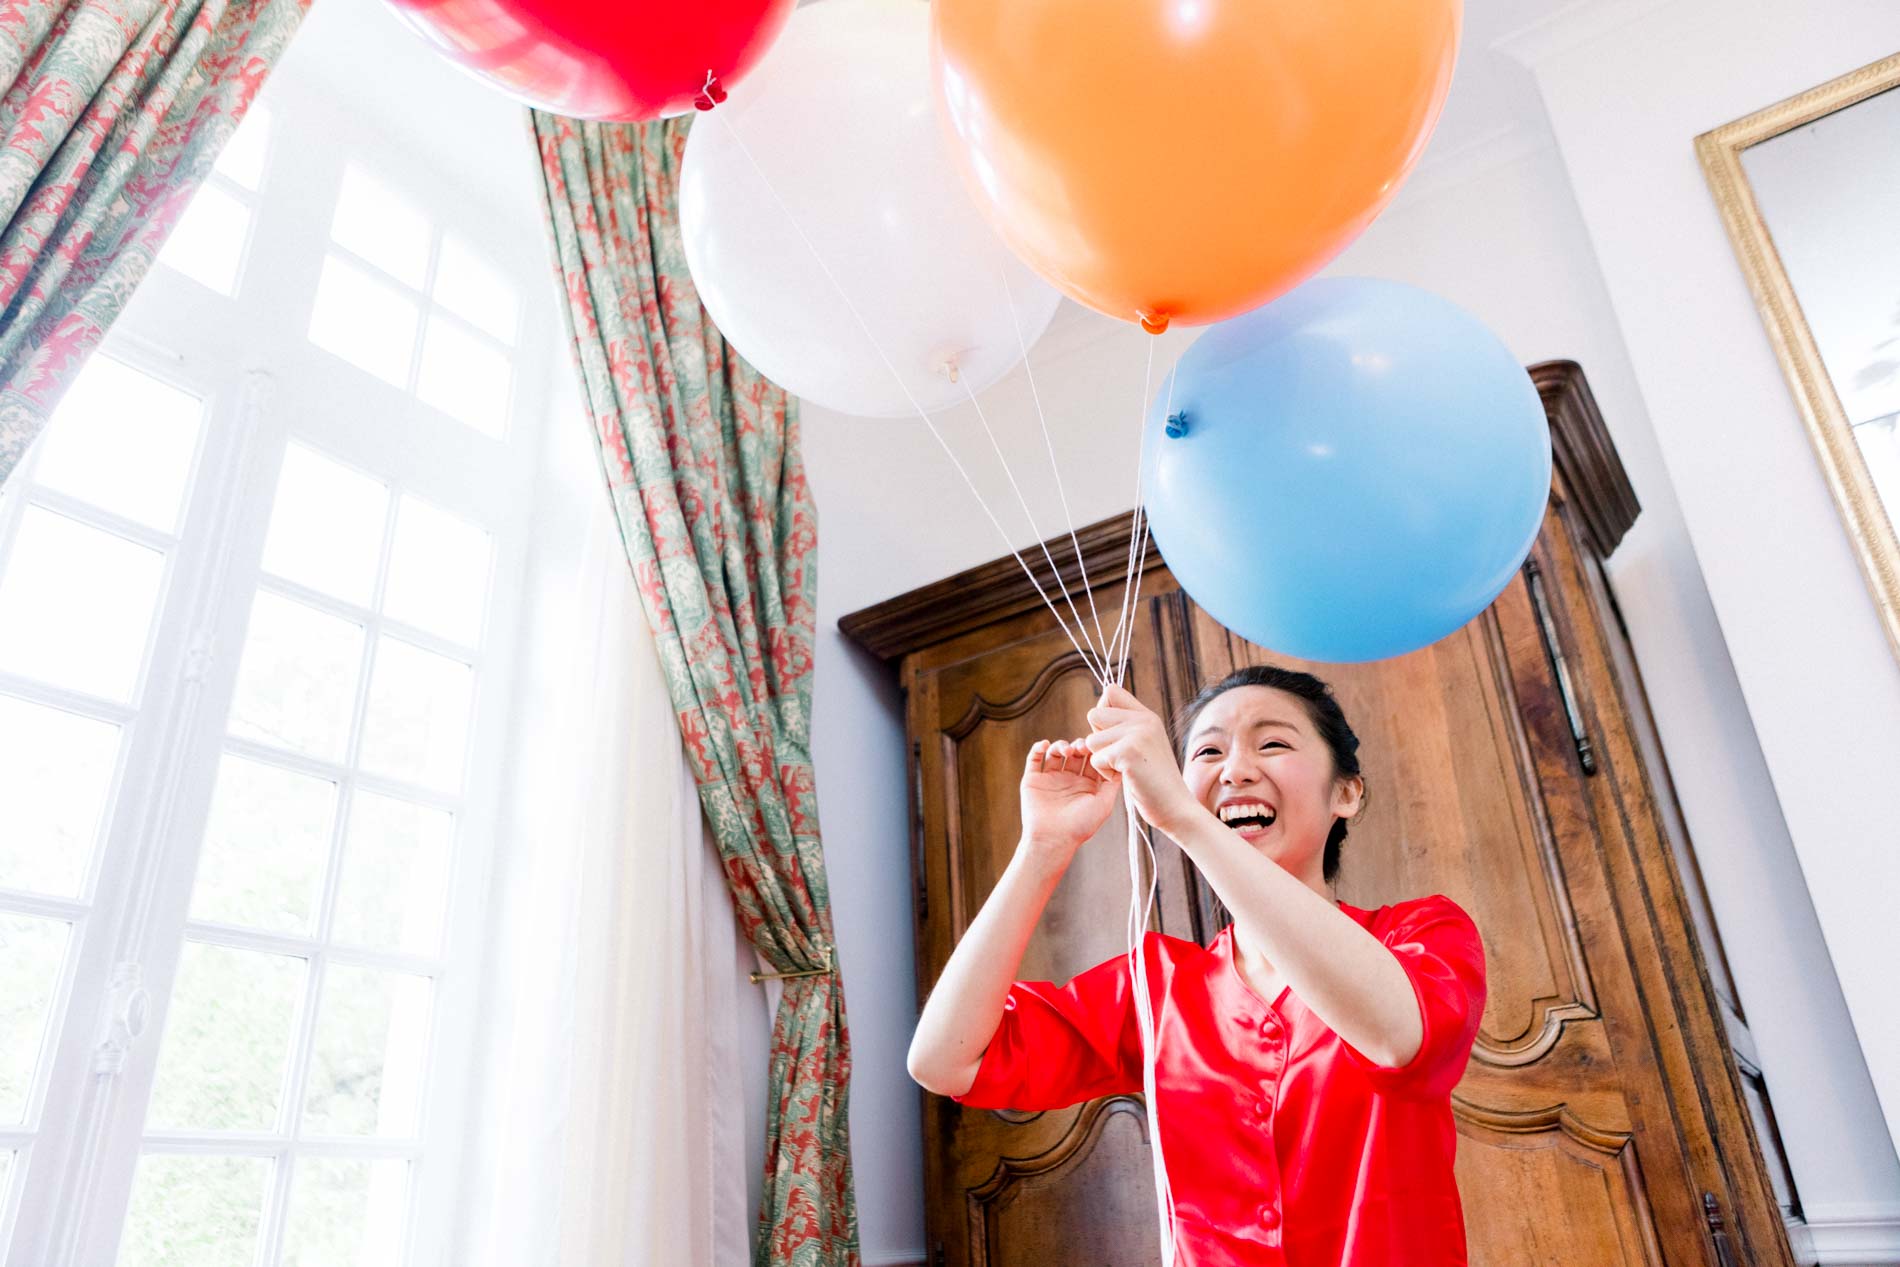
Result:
<point x="1247" y="816"/>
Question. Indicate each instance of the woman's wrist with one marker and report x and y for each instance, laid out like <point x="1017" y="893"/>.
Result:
<point x="1043" y="856"/>
<point x="1182" y="820"/>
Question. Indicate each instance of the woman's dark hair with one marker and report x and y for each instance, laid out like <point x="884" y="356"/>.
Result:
<point x="1321" y="708"/>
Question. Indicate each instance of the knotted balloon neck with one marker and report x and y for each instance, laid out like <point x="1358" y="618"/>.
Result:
<point x="711" y="95"/>
<point x="1177" y="425"/>
<point x="1153" y="322"/>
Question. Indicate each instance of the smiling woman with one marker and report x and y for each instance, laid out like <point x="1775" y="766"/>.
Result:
<point x="1207" y="723"/>
<point x="1299" y="1068"/>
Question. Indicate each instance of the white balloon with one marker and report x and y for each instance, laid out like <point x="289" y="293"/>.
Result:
<point x="839" y="119"/>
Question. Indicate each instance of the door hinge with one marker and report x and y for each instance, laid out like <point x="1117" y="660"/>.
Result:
<point x="917" y="829"/>
<point x="1718" y="1230"/>
<point x="936" y="1255"/>
<point x="1553" y="651"/>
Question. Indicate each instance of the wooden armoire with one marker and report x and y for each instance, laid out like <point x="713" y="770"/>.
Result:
<point x="1612" y="1114"/>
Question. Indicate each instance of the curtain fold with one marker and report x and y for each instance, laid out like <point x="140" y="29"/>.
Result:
<point x="111" y="115"/>
<point x="702" y="465"/>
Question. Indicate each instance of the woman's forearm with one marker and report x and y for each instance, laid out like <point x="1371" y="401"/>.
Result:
<point x="1341" y="971"/>
<point x="966" y="1005"/>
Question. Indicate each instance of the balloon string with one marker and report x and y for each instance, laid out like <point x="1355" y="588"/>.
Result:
<point x="1124" y="624"/>
<point x="1034" y="531"/>
<point x="1141" y="506"/>
<point x="1140" y="911"/>
<point x="1055" y="468"/>
<point x="1098" y="674"/>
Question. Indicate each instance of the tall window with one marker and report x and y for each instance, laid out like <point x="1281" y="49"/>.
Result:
<point x="256" y="585"/>
<point x="86" y="548"/>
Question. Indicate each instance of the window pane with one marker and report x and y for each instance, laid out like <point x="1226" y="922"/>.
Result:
<point x="227" y="1039"/>
<point x="366" y="1068"/>
<point x="297" y="682"/>
<point x="75" y="605"/>
<point x="207" y="244"/>
<point x="438" y="573"/>
<point x="194" y="1211"/>
<point x="346" y="1213"/>
<point x="395" y="875"/>
<point x="416" y="724"/>
<point x="123" y="441"/>
<point x="242" y="159"/>
<point x="464" y="376"/>
<point x="266" y="847"/>
<point x="32" y="952"/>
<point x="326" y="526"/>
<point x="469" y="286"/>
<point x="55" y="773"/>
<point x="365" y="320"/>
<point x="383" y="227"/>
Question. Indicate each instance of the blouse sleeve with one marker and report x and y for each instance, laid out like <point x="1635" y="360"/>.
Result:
<point x="1060" y="1045"/>
<point x="1438" y="945"/>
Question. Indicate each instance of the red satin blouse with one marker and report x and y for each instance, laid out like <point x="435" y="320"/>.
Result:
<point x="1284" y="1144"/>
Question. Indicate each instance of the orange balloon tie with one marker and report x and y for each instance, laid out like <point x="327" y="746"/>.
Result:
<point x="1153" y="322"/>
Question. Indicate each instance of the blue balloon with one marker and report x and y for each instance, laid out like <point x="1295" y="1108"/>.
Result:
<point x="1351" y="472"/>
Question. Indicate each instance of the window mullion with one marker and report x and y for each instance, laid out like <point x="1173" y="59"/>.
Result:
<point x="155" y="834"/>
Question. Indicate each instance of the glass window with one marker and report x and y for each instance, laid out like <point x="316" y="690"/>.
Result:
<point x="297" y="681"/>
<point x="369" y="322"/>
<point x="465" y="376"/>
<point x="124" y="442"/>
<point x="472" y="288"/>
<point x="55" y="775"/>
<point x="76" y="605"/>
<point x="438" y="573"/>
<point x="380" y="226"/>
<point x="32" y="960"/>
<point x="207" y="244"/>
<point x="326" y="526"/>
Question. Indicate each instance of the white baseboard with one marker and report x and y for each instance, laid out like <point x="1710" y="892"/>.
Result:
<point x="1848" y="1235"/>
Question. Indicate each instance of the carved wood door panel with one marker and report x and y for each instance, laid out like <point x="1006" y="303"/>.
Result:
<point x="1030" y="1189"/>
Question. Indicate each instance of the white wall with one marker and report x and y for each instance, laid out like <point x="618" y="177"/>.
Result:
<point x="1496" y="227"/>
<point x="1819" y="678"/>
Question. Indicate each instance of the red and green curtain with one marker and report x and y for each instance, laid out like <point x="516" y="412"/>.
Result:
<point x="111" y="115"/>
<point x="702" y="462"/>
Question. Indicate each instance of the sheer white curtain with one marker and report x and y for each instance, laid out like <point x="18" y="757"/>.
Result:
<point x="619" y="1116"/>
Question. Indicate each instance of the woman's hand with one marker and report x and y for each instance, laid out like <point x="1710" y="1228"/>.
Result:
<point x="1065" y="799"/>
<point x="1131" y="743"/>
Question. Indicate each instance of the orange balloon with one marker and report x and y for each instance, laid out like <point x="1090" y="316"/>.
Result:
<point x="1187" y="160"/>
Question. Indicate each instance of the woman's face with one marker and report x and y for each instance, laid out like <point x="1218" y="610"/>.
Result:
<point x="1256" y="761"/>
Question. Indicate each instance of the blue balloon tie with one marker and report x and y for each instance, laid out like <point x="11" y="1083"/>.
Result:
<point x="1177" y="425"/>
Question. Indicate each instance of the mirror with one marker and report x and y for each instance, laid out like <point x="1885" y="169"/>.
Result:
<point x="1809" y="189"/>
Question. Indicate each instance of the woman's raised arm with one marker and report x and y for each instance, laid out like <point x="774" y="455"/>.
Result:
<point x="1064" y="802"/>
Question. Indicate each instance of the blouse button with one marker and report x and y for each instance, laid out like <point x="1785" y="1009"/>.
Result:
<point x="1269" y="1217"/>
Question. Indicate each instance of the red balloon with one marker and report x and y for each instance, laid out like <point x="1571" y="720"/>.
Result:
<point x="604" y="59"/>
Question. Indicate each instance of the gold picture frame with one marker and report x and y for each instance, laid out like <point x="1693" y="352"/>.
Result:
<point x="1869" y="523"/>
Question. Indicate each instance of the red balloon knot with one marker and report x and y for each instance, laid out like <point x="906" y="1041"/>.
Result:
<point x="711" y="95"/>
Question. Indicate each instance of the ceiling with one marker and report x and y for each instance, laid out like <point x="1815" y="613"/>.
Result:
<point x="473" y="134"/>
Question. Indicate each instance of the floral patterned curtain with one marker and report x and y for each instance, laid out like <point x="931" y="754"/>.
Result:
<point x="112" y="113"/>
<point x="702" y="463"/>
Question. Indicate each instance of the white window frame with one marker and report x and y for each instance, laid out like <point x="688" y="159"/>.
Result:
<point x="264" y="384"/>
